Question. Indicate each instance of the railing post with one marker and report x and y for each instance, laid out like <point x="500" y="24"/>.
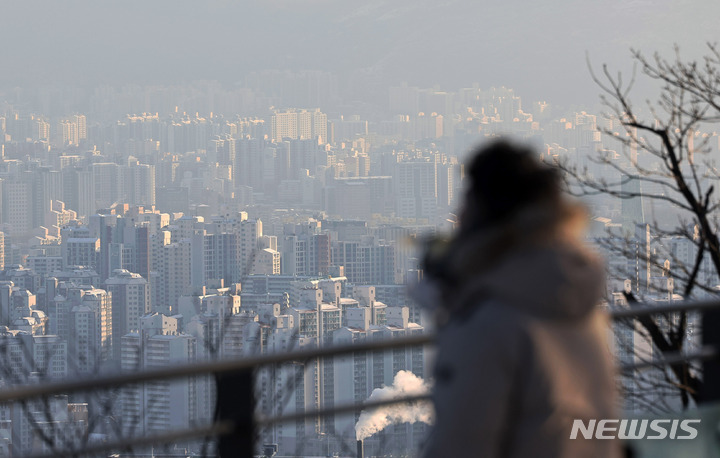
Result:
<point x="711" y="367"/>
<point x="236" y="403"/>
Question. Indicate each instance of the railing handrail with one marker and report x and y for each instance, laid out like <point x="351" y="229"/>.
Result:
<point x="671" y="359"/>
<point x="228" y="365"/>
<point x="641" y="309"/>
<point x="215" y="430"/>
<point x="222" y="366"/>
<point x="339" y="409"/>
<point x="227" y="427"/>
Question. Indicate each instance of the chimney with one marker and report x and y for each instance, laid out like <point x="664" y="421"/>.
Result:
<point x="360" y="451"/>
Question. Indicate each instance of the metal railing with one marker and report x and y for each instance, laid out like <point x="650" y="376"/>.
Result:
<point x="213" y="367"/>
<point x="228" y="426"/>
<point x="641" y="310"/>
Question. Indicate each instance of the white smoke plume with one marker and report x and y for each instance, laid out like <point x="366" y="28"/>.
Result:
<point x="405" y="384"/>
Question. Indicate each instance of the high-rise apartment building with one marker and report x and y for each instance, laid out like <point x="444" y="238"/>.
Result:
<point x="80" y="122"/>
<point x="161" y="405"/>
<point x="78" y="247"/>
<point x="90" y="337"/>
<point x="109" y="183"/>
<point x="140" y="184"/>
<point x="366" y="262"/>
<point x="79" y="190"/>
<point x="67" y="133"/>
<point x="81" y="316"/>
<point x="248" y="162"/>
<point x="124" y="243"/>
<point x="17" y="203"/>
<point x="284" y="125"/>
<point x="130" y="301"/>
<point x="305" y="250"/>
<point x="41" y="130"/>
<point x="171" y="276"/>
<point x="299" y="125"/>
<point x="416" y="189"/>
<point x="25" y="357"/>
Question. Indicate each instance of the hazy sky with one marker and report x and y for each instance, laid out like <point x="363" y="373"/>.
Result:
<point x="538" y="48"/>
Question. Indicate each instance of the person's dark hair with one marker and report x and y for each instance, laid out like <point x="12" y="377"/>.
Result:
<point x="503" y="179"/>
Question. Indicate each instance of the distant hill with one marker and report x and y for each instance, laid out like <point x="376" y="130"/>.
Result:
<point x="538" y="48"/>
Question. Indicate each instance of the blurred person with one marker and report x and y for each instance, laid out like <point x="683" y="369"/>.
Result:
<point x="521" y="349"/>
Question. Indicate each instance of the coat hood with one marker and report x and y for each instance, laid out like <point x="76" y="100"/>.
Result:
<point x="536" y="262"/>
<point x="562" y="280"/>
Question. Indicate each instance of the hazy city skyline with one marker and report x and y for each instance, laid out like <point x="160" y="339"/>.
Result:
<point x="182" y="181"/>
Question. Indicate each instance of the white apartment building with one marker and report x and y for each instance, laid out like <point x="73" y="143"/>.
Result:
<point x="160" y="405"/>
<point x="130" y="301"/>
<point x="90" y="339"/>
<point x="416" y="189"/>
<point x="24" y="357"/>
<point x="299" y="125"/>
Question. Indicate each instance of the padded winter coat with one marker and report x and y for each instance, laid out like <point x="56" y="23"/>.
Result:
<point x="523" y="354"/>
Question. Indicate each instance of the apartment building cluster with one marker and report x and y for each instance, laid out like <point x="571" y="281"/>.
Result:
<point x="134" y="289"/>
<point x="161" y="239"/>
